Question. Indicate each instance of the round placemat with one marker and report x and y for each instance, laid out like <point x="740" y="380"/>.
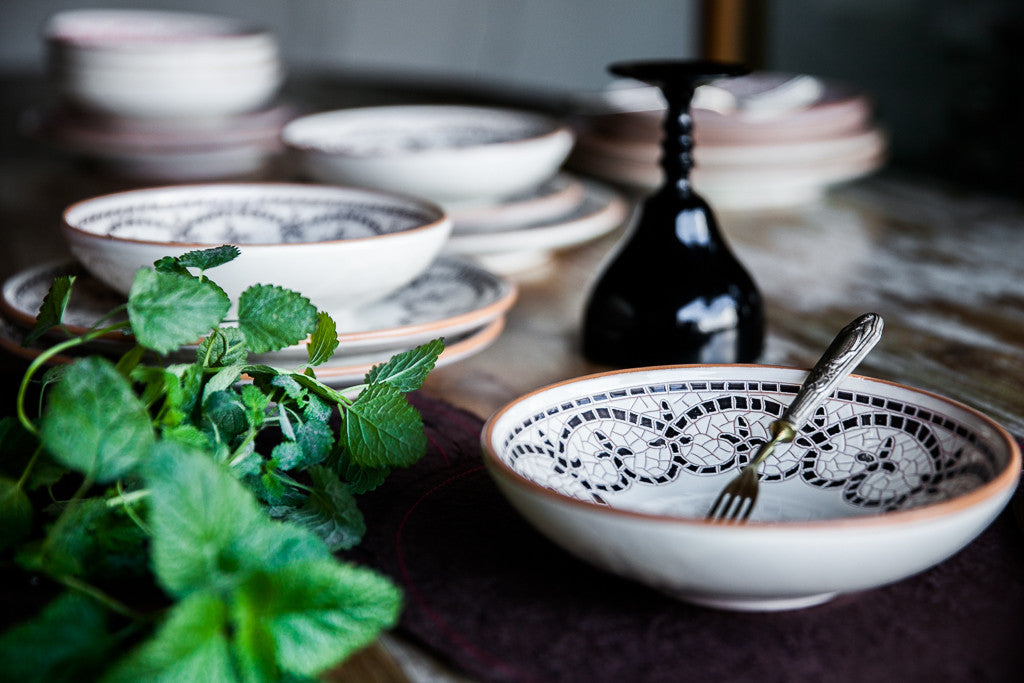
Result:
<point x="488" y="594"/>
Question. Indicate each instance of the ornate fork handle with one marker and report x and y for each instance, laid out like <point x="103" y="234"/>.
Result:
<point x="845" y="352"/>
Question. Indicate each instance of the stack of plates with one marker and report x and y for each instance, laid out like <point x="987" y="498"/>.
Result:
<point x="762" y="140"/>
<point x="523" y="232"/>
<point x="454" y="299"/>
<point x="161" y="95"/>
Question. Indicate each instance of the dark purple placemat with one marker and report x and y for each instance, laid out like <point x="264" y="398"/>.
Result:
<point x="494" y="598"/>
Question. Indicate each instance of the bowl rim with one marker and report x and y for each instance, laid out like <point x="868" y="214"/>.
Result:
<point x="1004" y="481"/>
<point x="554" y="128"/>
<point x="235" y="29"/>
<point x="439" y="218"/>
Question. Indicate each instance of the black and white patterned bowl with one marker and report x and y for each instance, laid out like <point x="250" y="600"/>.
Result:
<point x="342" y="248"/>
<point x="449" y="154"/>
<point x="620" y="469"/>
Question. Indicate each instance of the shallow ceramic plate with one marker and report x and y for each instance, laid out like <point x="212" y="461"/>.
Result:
<point x="601" y="211"/>
<point x="340" y="372"/>
<point x="553" y="198"/>
<point x="451" y="298"/>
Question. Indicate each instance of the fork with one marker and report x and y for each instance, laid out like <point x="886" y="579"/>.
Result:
<point x="736" y="501"/>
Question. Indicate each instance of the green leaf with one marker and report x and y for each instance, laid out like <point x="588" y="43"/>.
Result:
<point x="316" y="440"/>
<point x="381" y="429"/>
<point x="272" y="318"/>
<point x="94" y="423"/>
<point x="319" y="612"/>
<point x="223" y="346"/>
<point x="51" y="311"/>
<point x="93" y="539"/>
<point x="208" y="530"/>
<point x="323" y="341"/>
<point x="330" y="512"/>
<point x="68" y="641"/>
<point x="168" y="310"/>
<point x="224" y="416"/>
<point x="360" y="479"/>
<point x="15" y="513"/>
<point x="407" y="370"/>
<point x="204" y="259"/>
<point x="256" y="403"/>
<point x="223" y="379"/>
<point x="191" y="645"/>
<point x="288" y="455"/>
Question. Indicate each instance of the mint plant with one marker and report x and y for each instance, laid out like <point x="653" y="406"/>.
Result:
<point x="190" y="516"/>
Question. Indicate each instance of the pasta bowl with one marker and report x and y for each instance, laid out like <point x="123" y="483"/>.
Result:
<point x="621" y="468"/>
<point x="449" y="154"/>
<point x="343" y="248"/>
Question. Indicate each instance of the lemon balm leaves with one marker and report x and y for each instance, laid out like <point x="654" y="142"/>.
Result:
<point x="323" y="341"/>
<point x="406" y="371"/>
<point x="382" y="429"/>
<point x="51" y="311"/>
<point x="168" y="310"/>
<point x="272" y="318"/>
<point x="201" y="259"/>
<point x="94" y="422"/>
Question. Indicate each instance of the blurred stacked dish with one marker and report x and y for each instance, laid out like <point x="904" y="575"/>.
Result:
<point x="763" y="140"/>
<point x="495" y="171"/>
<point x="368" y="258"/>
<point x="160" y="95"/>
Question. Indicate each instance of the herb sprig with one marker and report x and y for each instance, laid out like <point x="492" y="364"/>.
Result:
<point x="191" y="514"/>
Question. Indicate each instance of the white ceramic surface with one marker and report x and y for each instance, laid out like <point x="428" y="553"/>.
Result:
<point x="527" y="245"/>
<point x="555" y="197"/>
<point x="142" y="63"/>
<point x="620" y="468"/>
<point x="451" y="298"/>
<point x="449" y="154"/>
<point x="341" y="372"/>
<point x="342" y="248"/>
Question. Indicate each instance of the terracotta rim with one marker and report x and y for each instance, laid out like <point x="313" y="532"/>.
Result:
<point x="1006" y="479"/>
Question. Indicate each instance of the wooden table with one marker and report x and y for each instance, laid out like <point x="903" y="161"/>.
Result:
<point x="943" y="267"/>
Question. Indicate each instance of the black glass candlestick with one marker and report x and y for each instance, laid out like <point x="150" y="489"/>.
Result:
<point x="674" y="292"/>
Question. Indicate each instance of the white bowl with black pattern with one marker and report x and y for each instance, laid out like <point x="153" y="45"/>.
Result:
<point x="343" y="248"/>
<point x="620" y="468"/>
<point x="449" y="154"/>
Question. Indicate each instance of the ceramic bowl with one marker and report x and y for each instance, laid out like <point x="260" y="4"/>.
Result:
<point x="620" y="469"/>
<point x="159" y="64"/>
<point x="342" y="248"/>
<point x="447" y="154"/>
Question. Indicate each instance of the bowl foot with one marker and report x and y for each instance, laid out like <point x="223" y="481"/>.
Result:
<point x="752" y="604"/>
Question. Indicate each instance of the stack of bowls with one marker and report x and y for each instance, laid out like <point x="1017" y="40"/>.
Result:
<point x="166" y="96"/>
<point x="370" y="259"/>
<point x="763" y="140"/>
<point x="495" y="171"/>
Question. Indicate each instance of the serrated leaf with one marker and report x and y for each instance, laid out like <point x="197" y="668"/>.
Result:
<point x="204" y="259"/>
<point x="224" y="416"/>
<point x="223" y="379"/>
<point x="323" y="341"/>
<point x="51" y="311"/>
<point x="381" y="429"/>
<point x="15" y="513"/>
<point x="68" y="641"/>
<point x="316" y="408"/>
<point x="316" y="440"/>
<point x="407" y="370"/>
<point x="191" y="645"/>
<point x="360" y="479"/>
<point x="168" y="310"/>
<point x="208" y="530"/>
<point x="256" y="404"/>
<point x="223" y="346"/>
<point x="170" y="264"/>
<point x="272" y="318"/>
<point x="94" y="423"/>
<point x="93" y="539"/>
<point x="320" y="612"/>
<point x="288" y="455"/>
<point x="330" y="511"/>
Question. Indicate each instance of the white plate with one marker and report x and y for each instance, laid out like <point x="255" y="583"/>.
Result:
<point x="338" y="373"/>
<point x="451" y="298"/>
<point x="555" y="197"/>
<point x="601" y="211"/>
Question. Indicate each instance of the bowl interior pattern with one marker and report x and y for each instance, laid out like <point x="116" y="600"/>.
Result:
<point x="659" y="447"/>
<point x="270" y="218"/>
<point x="419" y="129"/>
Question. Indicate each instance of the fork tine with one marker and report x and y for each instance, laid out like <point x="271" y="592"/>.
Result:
<point x="718" y="504"/>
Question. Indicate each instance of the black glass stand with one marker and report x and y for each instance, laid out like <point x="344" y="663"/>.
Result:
<point x="673" y="291"/>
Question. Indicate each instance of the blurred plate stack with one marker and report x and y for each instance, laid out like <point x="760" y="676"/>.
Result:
<point x="163" y="96"/>
<point x="496" y="172"/>
<point x="763" y="140"/>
